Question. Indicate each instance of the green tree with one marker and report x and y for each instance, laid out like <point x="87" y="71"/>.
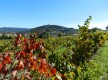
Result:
<point x="107" y="28"/>
<point x="59" y="34"/>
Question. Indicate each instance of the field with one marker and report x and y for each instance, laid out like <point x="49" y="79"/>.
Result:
<point x="76" y="57"/>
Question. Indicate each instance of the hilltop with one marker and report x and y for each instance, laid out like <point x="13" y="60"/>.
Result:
<point x="54" y="30"/>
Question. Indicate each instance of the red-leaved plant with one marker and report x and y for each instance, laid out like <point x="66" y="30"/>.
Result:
<point x="24" y="64"/>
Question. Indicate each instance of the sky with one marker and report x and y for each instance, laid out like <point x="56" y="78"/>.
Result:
<point x="68" y="13"/>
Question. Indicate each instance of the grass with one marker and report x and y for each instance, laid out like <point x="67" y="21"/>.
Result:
<point x="97" y="68"/>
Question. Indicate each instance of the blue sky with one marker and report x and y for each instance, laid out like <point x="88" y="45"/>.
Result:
<point x="69" y="13"/>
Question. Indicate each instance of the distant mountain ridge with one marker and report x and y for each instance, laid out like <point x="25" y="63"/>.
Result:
<point x="10" y="29"/>
<point x="51" y="29"/>
<point x="54" y="29"/>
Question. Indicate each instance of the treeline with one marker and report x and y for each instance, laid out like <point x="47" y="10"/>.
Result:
<point x="5" y="36"/>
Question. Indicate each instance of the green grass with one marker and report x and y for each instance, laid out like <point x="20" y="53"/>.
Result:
<point x="98" y="66"/>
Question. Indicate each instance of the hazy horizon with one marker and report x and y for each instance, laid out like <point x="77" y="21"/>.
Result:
<point x="67" y="13"/>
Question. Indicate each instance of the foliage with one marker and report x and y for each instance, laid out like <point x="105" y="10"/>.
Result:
<point x="24" y="64"/>
<point x="87" y="44"/>
<point x="97" y="68"/>
<point x="59" y="34"/>
<point x="5" y="36"/>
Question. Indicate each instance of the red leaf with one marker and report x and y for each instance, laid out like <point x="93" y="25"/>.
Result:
<point x="1" y="66"/>
<point x="53" y="71"/>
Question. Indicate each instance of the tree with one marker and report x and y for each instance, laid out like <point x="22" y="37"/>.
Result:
<point x="59" y="34"/>
<point x="95" y="29"/>
<point x="107" y="28"/>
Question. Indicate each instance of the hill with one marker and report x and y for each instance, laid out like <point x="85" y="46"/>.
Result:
<point x="8" y="29"/>
<point x="54" y="30"/>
